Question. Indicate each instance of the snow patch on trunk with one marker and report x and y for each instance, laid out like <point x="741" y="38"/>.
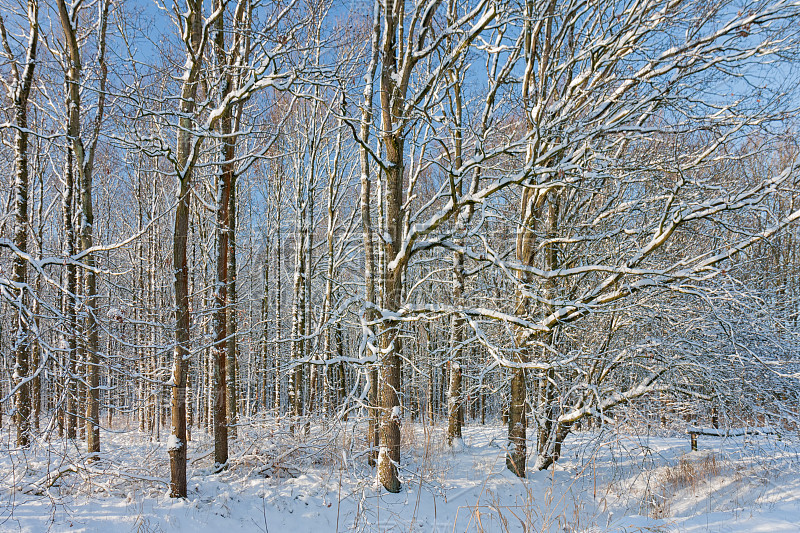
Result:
<point x="174" y="443"/>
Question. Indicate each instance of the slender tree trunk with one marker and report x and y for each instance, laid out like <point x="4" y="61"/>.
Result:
<point x="219" y="351"/>
<point x="455" y="393"/>
<point x="231" y="392"/>
<point x="84" y="162"/>
<point x="178" y="444"/>
<point x="22" y="339"/>
<point x="20" y="91"/>
<point x="298" y="311"/>
<point x="370" y="314"/>
<point x="153" y="316"/>
<point x="341" y="375"/>
<point x="278" y="310"/>
<point x="327" y="302"/>
<point x="267" y="364"/>
<point x="92" y="359"/>
<point x="223" y="234"/>
<point x="550" y="433"/>
<point x="36" y="383"/>
<point x="517" y="420"/>
<point x="69" y="302"/>
<point x="139" y="301"/>
<point x="312" y="369"/>
<point x="392" y="95"/>
<point x="333" y="183"/>
<point x="191" y="391"/>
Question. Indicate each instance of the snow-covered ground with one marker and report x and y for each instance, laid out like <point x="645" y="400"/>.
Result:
<point x="604" y="482"/>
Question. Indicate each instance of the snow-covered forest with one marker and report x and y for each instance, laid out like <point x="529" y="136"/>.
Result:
<point x="400" y="265"/>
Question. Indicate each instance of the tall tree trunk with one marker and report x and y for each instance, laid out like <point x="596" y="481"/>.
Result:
<point x="370" y="314"/>
<point x="139" y="302"/>
<point x="341" y="375"/>
<point x="152" y="305"/>
<point x="312" y="369"/>
<point x="333" y="178"/>
<point x="191" y="391"/>
<point x="531" y="206"/>
<point x="20" y="91"/>
<point x="91" y="334"/>
<point x="177" y="444"/>
<point x="517" y="419"/>
<point x="389" y="453"/>
<point x="84" y="163"/>
<point x="231" y="392"/>
<point x="69" y="299"/>
<point x="138" y="299"/>
<point x="550" y="433"/>
<point x="36" y="382"/>
<point x="392" y="94"/>
<point x="278" y="309"/>
<point x="219" y="351"/>
<point x="36" y="350"/>
<point x="227" y="62"/>
<point x="298" y="310"/>
<point x="22" y="339"/>
<point x="184" y="167"/>
<point x="455" y="393"/>
<point x="223" y="234"/>
<point x="267" y="364"/>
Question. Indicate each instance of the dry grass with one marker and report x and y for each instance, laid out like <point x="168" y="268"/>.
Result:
<point x="690" y="473"/>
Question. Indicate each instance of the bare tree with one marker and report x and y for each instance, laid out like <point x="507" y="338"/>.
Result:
<point x="587" y="124"/>
<point x="84" y="157"/>
<point x="370" y="313"/>
<point x="194" y="35"/>
<point x="404" y="46"/>
<point x="194" y="127"/>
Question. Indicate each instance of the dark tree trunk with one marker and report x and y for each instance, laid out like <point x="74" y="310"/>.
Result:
<point x="185" y="165"/>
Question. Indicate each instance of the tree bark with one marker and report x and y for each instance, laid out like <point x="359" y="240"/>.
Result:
<point x="184" y="168"/>
<point x="20" y="91"/>
<point x="390" y="386"/>
<point x="267" y="363"/>
<point x="278" y="291"/>
<point x="231" y="390"/>
<point x="517" y="419"/>
<point x="455" y="393"/>
<point x="68" y="307"/>
<point x="298" y="350"/>
<point x="219" y="351"/>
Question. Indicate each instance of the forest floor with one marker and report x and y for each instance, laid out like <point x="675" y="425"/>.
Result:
<point x="605" y="481"/>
